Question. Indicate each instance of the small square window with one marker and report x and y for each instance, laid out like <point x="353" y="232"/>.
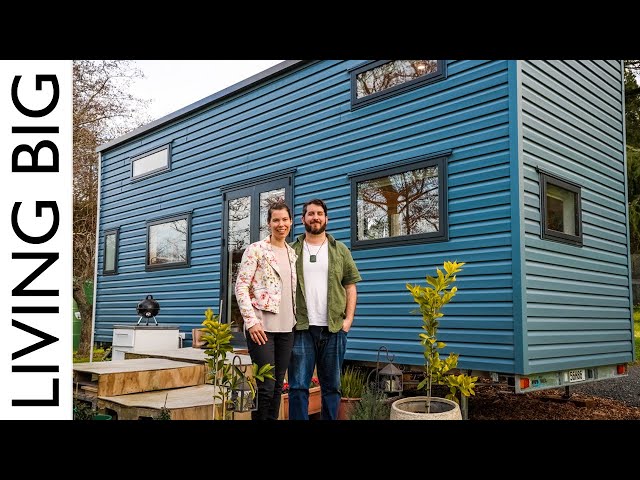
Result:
<point x="151" y="163"/>
<point x="168" y="242"/>
<point x="110" y="252"/>
<point x="403" y="204"/>
<point x="561" y="210"/>
<point x="383" y="78"/>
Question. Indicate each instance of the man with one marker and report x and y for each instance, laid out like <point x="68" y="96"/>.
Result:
<point x="326" y="305"/>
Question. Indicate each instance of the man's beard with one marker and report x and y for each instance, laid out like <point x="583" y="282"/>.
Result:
<point x="310" y="228"/>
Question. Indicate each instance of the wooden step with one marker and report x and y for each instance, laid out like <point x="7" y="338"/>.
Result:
<point x="121" y="377"/>
<point x="187" y="354"/>
<point x="189" y="403"/>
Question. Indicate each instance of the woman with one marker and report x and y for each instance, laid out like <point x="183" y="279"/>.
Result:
<point x="266" y="292"/>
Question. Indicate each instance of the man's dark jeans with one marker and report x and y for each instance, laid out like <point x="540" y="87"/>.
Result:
<point x="316" y="345"/>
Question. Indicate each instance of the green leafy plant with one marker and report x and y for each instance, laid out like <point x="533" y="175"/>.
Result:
<point x="373" y="405"/>
<point x="431" y="300"/>
<point x="165" y="413"/>
<point x="83" y="411"/>
<point x="352" y="382"/>
<point x="225" y="376"/>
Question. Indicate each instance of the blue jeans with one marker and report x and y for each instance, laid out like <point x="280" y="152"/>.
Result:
<point x="310" y="347"/>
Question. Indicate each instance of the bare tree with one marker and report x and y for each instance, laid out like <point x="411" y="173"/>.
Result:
<point x="402" y="204"/>
<point x="103" y="109"/>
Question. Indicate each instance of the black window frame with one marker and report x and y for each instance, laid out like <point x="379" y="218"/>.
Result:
<point x="439" y="160"/>
<point x="440" y="74"/>
<point x="548" y="234"/>
<point x="116" y="232"/>
<point x="159" y="221"/>
<point x="157" y="171"/>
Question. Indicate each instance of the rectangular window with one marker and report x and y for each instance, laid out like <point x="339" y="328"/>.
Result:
<point x="110" y="252"/>
<point x="403" y="204"/>
<point x="151" y="163"/>
<point x="168" y="242"/>
<point x="560" y="210"/>
<point x="383" y="78"/>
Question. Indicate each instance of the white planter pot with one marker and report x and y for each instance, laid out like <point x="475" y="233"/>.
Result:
<point x="414" y="408"/>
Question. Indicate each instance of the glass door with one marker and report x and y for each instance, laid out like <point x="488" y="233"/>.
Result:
<point x="245" y="222"/>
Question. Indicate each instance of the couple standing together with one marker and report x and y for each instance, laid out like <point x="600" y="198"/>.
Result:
<point x="298" y="303"/>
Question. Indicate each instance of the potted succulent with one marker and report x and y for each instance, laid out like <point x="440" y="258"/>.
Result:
<point x="437" y="371"/>
<point x="225" y="375"/>
<point x="352" y="384"/>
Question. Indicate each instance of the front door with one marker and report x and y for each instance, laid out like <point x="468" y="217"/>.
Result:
<point x="245" y="221"/>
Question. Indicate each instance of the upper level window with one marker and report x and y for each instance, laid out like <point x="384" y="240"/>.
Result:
<point x="383" y="78"/>
<point x="110" y="251"/>
<point x="561" y="210"/>
<point x="405" y="204"/>
<point x="151" y="162"/>
<point x="168" y="242"/>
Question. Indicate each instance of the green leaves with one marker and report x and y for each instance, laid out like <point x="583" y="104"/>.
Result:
<point x="265" y="371"/>
<point x="431" y="299"/>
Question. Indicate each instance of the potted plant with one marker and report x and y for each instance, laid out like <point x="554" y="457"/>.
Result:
<point x="223" y="374"/>
<point x="352" y="383"/>
<point x="315" y="399"/>
<point x="373" y="405"/>
<point x="437" y="371"/>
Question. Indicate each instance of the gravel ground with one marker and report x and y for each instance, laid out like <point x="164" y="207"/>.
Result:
<point x="625" y="389"/>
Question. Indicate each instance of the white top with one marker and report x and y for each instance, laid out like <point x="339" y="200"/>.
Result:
<point x="284" y="320"/>
<point x="316" y="280"/>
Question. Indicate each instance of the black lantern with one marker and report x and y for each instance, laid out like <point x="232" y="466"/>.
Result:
<point x="389" y="378"/>
<point x="148" y="308"/>
<point x="243" y="398"/>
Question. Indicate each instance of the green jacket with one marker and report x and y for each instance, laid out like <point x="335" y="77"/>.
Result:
<point x="342" y="271"/>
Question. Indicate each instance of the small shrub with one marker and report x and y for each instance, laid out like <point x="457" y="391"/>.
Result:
<point x="352" y="382"/>
<point x="431" y="300"/>
<point x="165" y="413"/>
<point x="83" y="411"/>
<point x="372" y="406"/>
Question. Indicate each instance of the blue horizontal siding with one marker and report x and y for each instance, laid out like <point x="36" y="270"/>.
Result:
<point x="303" y="120"/>
<point x="578" y="298"/>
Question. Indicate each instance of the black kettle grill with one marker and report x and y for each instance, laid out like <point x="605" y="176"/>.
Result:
<point x="148" y="308"/>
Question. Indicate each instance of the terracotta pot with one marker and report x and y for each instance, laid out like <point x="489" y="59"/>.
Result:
<point x="315" y="403"/>
<point x="346" y="407"/>
<point x="414" y="408"/>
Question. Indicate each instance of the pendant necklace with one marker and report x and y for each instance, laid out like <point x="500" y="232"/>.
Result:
<point x="313" y="258"/>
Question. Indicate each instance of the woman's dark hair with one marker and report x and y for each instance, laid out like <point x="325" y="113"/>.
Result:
<point x="278" y="206"/>
<point x="315" y="201"/>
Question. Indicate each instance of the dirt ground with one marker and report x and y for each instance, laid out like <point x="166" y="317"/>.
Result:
<point x="498" y="402"/>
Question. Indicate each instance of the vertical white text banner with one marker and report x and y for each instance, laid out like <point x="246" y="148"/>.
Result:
<point x="36" y="330"/>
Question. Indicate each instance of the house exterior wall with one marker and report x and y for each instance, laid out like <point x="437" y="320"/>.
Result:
<point x="577" y="298"/>
<point x="303" y="120"/>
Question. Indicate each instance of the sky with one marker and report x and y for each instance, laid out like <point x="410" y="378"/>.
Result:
<point x="174" y="84"/>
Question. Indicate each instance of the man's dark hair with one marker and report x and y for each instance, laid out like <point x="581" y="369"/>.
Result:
<point x="278" y="206"/>
<point x="315" y="201"/>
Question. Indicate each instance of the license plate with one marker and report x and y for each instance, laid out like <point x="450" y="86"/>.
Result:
<point x="577" y="375"/>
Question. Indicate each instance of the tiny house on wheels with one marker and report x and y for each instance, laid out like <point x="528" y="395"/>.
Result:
<point x="516" y="168"/>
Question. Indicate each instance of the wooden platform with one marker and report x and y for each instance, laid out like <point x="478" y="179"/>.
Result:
<point x="121" y="377"/>
<point x="189" y="403"/>
<point x="187" y="354"/>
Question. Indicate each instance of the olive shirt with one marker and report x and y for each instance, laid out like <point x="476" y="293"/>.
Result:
<point x="342" y="271"/>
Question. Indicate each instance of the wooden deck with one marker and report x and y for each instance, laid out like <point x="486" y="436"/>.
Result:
<point x="137" y="387"/>
<point x="189" y="403"/>
<point x="121" y="377"/>
<point x="187" y="354"/>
